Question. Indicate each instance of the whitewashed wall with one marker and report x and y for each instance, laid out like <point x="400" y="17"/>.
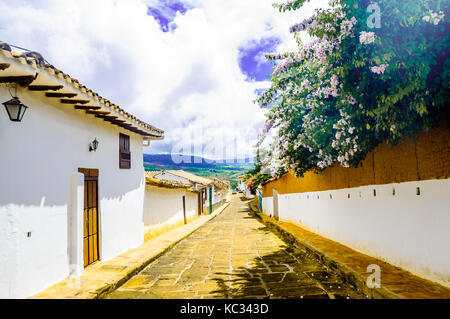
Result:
<point x="164" y="206"/>
<point x="397" y="225"/>
<point x="218" y="197"/>
<point x="191" y="204"/>
<point x="38" y="159"/>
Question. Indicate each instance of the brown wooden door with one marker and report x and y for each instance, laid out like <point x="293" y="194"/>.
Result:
<point x="200" y="203"/>
<point x="90" y="216"/>
<point x="184" y="209"/>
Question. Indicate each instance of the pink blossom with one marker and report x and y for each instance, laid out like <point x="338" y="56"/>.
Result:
<point x="334" y="81"/>
<point x="301" y="26"/>
<point x="433" y="17"/>
<point x="283" y="66"/>
<point x="366" y="37"/>
<point x="379" y="69"/>
<point x="347" y="26"/>
<point x="351" y="100"/>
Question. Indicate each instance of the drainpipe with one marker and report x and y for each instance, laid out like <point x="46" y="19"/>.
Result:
<point x="146" y="142"/>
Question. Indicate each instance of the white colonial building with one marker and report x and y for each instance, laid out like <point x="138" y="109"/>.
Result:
<point x="170" y="201"/>
<point x="72" y="181"/>
<point x="175" y="197"/>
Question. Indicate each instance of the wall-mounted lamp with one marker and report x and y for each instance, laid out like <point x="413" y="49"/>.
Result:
<point x="15" y="109"/>
<point x="93" y="145"/>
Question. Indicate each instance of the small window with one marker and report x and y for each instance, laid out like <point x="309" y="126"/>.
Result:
<point x="124" y="151"/>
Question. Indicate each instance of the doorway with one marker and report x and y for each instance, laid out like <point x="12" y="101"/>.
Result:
<point x="90" y="217"/>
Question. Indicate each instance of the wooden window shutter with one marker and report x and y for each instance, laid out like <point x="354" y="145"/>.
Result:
<point x="124" y="151"/>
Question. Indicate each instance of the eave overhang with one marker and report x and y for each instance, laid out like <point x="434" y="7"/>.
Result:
<point x="36" y="76"/>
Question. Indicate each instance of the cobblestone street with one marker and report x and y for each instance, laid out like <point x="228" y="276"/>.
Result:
<point x="235" y="256"/>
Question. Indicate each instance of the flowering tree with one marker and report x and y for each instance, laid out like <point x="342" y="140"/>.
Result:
<point x="372" y="72"/>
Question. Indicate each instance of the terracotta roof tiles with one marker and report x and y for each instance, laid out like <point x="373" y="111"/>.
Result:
<point x="37" y="62"/>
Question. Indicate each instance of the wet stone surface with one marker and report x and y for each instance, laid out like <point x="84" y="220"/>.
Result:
<point x="235" y="256"/>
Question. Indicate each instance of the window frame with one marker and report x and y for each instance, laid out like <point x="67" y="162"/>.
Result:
<point x="124" y="151"/>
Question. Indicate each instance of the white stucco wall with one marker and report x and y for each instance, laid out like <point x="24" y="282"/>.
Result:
<point x="164" y="206"/>
<point x="220" y="196"/>
<point x="38" y="159"/>
<point x="191" y="204"/>
<point x="408" y="230"/>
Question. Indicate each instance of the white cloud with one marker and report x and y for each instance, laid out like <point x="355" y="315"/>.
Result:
<point x="187" y="82"/>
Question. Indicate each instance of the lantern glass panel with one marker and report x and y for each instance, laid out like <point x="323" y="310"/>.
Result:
<point x="22" y="112"/>
<point x="13" y="111"/>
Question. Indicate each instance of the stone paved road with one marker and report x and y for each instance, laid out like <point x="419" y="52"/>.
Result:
<point x="235" y="256"/>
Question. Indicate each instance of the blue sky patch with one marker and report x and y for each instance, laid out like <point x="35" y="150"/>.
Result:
<point x="258" y="92"/>
<point x="164" y="12"/>
<point x="252" y="61"/>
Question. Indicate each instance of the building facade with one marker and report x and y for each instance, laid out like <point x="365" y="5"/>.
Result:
<point x="175" y="197"/>
<point x="170" y="201"/>
<point x="72" y="178"/>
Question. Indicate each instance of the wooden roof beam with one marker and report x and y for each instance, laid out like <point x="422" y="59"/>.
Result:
<point x="106" y="118"/>
<point x="112" y="118"/>
<point x="137" y="131"/>
<point x="120" y="124"/>
<point x="45" y="87"/>
<point x="67" y="101"/>
<point x="87" y="107"/>
<point x="97" y="112"/>
<point x="49" y="94"/>
<point x="4" y="66"/>
<point x="23" y="80"/>
<point x="124" y="125"/>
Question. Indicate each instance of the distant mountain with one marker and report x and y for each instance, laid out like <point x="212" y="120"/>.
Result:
<point x="179" y="160"/>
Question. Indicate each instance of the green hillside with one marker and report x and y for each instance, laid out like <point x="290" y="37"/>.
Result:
<point x="201" y="167"/>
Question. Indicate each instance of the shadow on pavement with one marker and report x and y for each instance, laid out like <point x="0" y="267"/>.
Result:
<point x="287" y="273"/>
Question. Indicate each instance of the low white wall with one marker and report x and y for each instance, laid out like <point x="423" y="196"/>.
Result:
<point x="218" y="198"/>
<point x="164" y="206"/>
<point x="191" y="204"/>
<point x="39" y="157"/>
<point x="408" y="230"/>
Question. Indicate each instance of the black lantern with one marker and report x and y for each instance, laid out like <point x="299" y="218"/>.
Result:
<point x="93" y="146"/>
<point x="15" y="109"/>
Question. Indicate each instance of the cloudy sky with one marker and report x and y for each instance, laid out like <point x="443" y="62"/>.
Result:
<point x="189" y="67"/>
